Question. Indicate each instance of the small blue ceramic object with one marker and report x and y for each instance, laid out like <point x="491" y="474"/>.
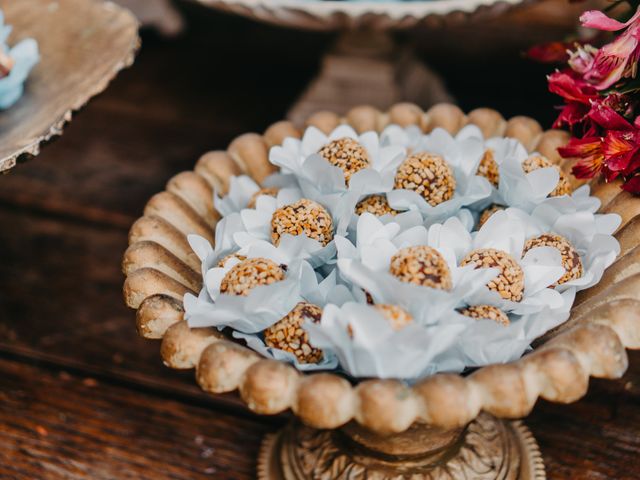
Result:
<point x="23" y="57"/>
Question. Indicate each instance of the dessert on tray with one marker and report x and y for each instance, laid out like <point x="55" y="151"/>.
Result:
<point x="398" y="254"/>
<point x="415" y="274"/>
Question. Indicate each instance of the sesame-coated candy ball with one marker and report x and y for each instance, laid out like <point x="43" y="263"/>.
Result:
<point x="250" y="273"/>
<point x="486" y="311"/>
<point x="224" y="259"/>
<point x="536" y="162"/>
<point x="427" y="174"/>
<point x="289" y="335"/>
<point x="269" y="191"/>
<point x="488" y="168"/>
<point x="346" y="154"/>
<point x="421" y="265"/>
<point x="376" y="205"/>
<point x="509" y="283"/>
<point x="570" y="257"/>
<point x="302" y="217"/>
<point x="397" y="316"/>
<point x="487" y="212"/>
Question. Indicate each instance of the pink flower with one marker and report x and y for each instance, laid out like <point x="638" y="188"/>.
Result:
<point x="581" y="60"/>
<point x="618" y="59"/>
<point x="598" y="20"/>
<point x="620" y="150"/>
<point x="603" y="113"/>
<point x="589" y="151"/>
<point x="614" y="152"/>
<point x="632" y="185"/>
<point x="577" y="94"/>
<point x="552" y="52"/>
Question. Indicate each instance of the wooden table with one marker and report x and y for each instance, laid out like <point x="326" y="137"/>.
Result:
<point x="81" y="395"/>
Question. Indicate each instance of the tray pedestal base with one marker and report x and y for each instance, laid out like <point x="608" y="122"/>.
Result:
<point x="368" y="68"/>
<point x="487" y="449"/>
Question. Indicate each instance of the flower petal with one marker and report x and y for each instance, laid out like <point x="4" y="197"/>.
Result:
<point x="597" y="19"/>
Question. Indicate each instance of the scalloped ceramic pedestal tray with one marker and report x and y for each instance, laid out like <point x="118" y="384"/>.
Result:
<point x="83" y="45"/>
<point x="366" y="66"/>
<point x="445" y="426"/>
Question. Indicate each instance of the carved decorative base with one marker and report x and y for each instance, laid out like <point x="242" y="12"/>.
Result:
<point x="368" y="68"/>
<point x="487" y="449"/>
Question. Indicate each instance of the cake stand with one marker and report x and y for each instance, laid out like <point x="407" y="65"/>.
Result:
<point x="366" y="66"/>
<point x="446" y="426"/>
<point x="83" y="45"/>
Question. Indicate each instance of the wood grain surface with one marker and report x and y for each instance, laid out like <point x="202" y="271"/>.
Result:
<point x="81" y="395"/>
<point x="60" y="425"/>
<point x="83" y="44"/>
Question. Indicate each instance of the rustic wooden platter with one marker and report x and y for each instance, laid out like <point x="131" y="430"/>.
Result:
<point x="83" y="45"/>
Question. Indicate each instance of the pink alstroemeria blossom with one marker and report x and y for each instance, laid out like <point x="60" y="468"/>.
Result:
<point x="604" y="115"/>
<point x="581" y="60"/>
<point x="620" y="149"/>
<point x="614" y="152"/>
<point x="632" y="185"/>
<point x="577" y="94"/>
<point x="589" y="152"/>
<point x="598" y="20"/>
<point x="551" y="52"/>
<point x="618" y="59"/>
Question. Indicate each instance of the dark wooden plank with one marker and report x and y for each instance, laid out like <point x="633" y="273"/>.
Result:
<point x="53" y="427"/>
<point x="61" y="301"/>
<point x="106" y="167"/>
<point x="56" y="425"/>
<point x="597" y="438"/>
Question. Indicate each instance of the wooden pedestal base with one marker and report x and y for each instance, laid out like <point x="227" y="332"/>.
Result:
<point x="368" y="68"/>
<point x="487" y="449"/>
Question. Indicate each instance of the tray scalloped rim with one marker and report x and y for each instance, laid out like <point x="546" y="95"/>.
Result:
<point x="160" y="269"/>
<point x="333" y="15"/>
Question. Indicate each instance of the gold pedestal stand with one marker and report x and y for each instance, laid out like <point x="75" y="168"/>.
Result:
<point x="486" y="449"/>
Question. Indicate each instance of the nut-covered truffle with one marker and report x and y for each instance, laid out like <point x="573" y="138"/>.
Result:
<point x="429" y="175"/>
<point x="509" y="283"/>
<point x="346" y="154"/>
<point x="570" y="257"/>
<point x="486" y="311"/>
<point x="375" y="204"/>
<point x="421" y="265"/>
<point x="289" y="335"/>
<point x="303" y="217"/>
<point x="536" y="162"/>
<point x="224" y="259"/>
<point x="251" y="273"/>
<point x="487" y="212"/>
<point x="397" y="316"/>
<point x="488" y="168"/>
<point x="269" y="191"/>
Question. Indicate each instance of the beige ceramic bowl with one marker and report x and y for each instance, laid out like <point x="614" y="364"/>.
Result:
<point x="445" y="426"/>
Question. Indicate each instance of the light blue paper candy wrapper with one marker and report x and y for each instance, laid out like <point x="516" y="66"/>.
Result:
<point x="25" y="56"/>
